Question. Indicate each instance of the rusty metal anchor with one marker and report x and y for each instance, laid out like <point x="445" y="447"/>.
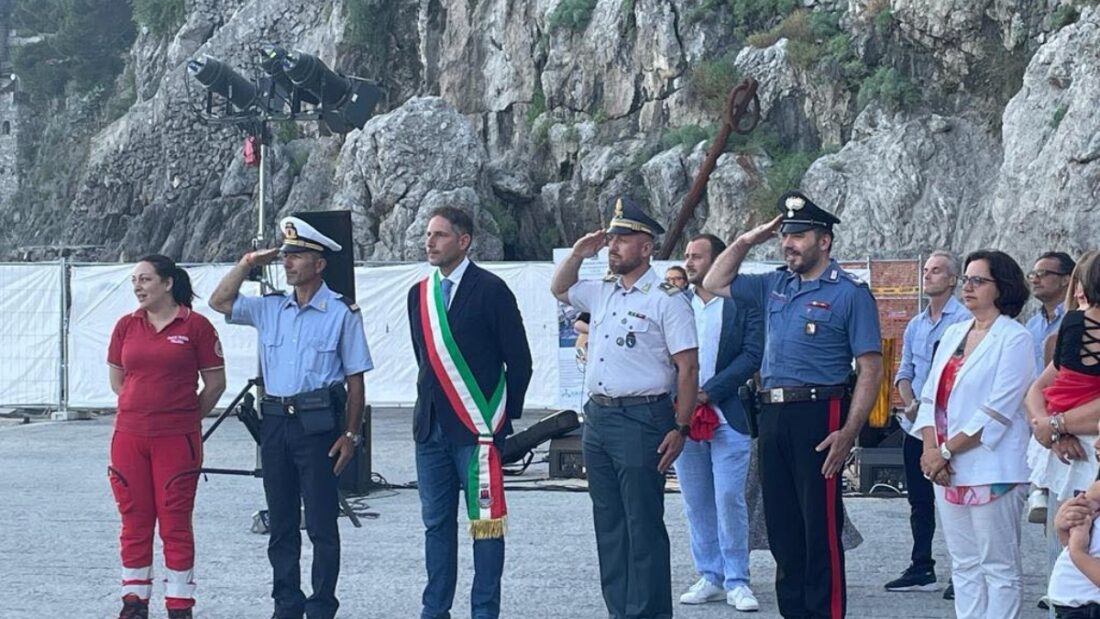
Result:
<point x="742" y="115"/>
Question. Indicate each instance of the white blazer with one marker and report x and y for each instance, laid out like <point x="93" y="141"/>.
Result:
<point x="989" y="396"/>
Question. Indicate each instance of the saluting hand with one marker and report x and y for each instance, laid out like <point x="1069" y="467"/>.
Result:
<point x="839" y="444"/>
<point x="346" y="449"/>
<point x="261" y="257"/>
<point x="589" y="245"/>
<point x="670" y="449"/>
<point x="762" y="233"/>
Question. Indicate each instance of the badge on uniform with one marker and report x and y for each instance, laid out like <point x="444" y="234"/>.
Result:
<point x="630" y="340"/>
<point x="811" y="328"/>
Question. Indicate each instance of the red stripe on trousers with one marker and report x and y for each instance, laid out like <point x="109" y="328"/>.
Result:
<point x="836" y="609"/>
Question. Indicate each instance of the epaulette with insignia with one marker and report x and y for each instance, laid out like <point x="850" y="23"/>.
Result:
<point x="351" y="304"/>
<point x="276" y="293"/>
<point x="610" y="277"/>
<point x="855" y="279"/>
<point x="782" y="268"/>
<point x="670" y="289"/>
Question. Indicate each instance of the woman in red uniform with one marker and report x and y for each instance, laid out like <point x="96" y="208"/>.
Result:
<point x="156" y="357"/>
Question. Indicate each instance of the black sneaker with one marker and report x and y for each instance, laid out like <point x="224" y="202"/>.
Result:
<point x="911" y="580"/>
<point x="949" y="592"/>
<point x="134" y="607"/>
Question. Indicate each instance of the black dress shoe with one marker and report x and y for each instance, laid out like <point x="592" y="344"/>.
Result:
<point x="949" y="592"/>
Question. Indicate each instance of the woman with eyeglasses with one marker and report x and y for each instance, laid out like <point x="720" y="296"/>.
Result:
<point x="975" y="432"/>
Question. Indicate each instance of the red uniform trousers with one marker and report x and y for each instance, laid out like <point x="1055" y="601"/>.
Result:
<point x="154" y="479"/>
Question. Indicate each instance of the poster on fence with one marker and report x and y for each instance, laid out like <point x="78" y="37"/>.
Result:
<point x="571" y="358"/>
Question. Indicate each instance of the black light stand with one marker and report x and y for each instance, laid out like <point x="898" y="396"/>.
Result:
<point x="344" y="103"/>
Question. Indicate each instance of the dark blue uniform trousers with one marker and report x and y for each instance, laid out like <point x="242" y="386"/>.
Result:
<point x="922" y="505"/>
<point x="802" y="509"/>
<point x="297" y="470"/>
<point x="628" y="506"/>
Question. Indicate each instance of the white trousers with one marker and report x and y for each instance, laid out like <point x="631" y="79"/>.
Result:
<point x="984" y="544"/>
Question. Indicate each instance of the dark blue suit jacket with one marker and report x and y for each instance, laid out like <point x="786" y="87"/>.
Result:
<point x="740" y="352"/>
<point x="488" y="329"/>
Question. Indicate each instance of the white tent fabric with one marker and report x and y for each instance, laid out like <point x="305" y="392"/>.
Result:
<point x="30" y="334"/>
<point x="102" y="294"/>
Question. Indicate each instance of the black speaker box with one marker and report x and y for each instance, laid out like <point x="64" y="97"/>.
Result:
<point x="339" y="273"/>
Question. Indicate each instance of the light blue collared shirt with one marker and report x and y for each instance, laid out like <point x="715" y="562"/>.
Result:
<point x="921" y="335"/>
<point x="304" y="348"/>
<point x="1041" y="328"/>
<point x="456" y="277"/>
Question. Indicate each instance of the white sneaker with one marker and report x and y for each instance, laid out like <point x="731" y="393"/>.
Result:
<point x="1037" y="506"/>
<point x="702" y="592"/>
<point x="742" y="599"/>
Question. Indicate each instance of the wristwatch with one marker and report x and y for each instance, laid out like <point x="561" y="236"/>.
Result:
<point x="683" y="428"/>
<point x="945" y="452"/>
<point x="355" y="438"/>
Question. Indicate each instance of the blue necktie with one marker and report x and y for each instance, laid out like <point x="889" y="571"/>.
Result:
<point x="447" y="286"/>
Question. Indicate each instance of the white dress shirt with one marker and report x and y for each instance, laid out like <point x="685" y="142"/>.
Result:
<point x="708" y="328"/>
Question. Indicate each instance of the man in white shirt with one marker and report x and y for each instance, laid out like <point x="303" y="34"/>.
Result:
<point x="712" y="471"/>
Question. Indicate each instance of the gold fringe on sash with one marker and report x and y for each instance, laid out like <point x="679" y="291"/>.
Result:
<point x="488" y="529"/>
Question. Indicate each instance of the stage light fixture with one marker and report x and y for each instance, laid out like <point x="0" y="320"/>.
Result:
<point x="346" y="102"/>
<point x="221" y="80"/>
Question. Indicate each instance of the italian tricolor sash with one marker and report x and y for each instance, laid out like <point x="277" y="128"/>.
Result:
<point x="484" y="483"/>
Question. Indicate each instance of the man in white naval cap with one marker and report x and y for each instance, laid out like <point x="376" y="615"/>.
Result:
<point x="313" y="344"/>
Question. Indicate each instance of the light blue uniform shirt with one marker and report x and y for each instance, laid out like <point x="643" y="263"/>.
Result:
<point x="304" y="348"/>
<point x="813" y="329"/>
<point x="921" y="335"/>
<point x="1040" y="329"/>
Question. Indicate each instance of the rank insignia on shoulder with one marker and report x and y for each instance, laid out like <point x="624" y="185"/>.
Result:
<point x="855" y="279"/>
<point x="351" y="304"/>
<point x="610" y="277"/>
<point x="276" y="293"/>
<point x="670" y="289"/>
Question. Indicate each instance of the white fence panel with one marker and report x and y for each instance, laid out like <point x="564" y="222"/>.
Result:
<point x="30" y="334"/>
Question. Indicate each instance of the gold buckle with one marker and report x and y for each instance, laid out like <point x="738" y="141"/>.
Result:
<point x="775" y="396"/>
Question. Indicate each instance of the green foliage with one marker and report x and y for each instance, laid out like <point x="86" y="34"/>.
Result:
<point x="537" y="105"/>
<point x="889" y="87"/>
<point x="687" y="135"/>
<point x="712" y="80"/>
<point x="756" y="15"/>
<point x="1062" y="16"/>
<point x="883" y="21"/>
<point x="785" y="173"/>
<point x="630" y="21"/>
<point x="809" y="35"/>
<point x="571" y="14"/>
<point x="1059" y="114"/>
<point x="161" y="17"/>
<point x="794" y="27"/>
<point x="82" y="44"/>
<point x="123" y="98"/>
<point x="541" y="135"/>
<point x="369" y="25"/>
<point x="286" y="131"/>
<point x="506" y="222"/>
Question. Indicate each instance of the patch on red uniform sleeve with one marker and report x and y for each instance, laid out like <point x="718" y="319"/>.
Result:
<point x="218" y="348"/>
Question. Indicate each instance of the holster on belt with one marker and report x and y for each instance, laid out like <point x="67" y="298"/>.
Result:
<point x="320" y="411"/>
<point x="747" y="394"/>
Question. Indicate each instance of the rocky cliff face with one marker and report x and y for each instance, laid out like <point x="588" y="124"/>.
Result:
<point x="928" y="123"/>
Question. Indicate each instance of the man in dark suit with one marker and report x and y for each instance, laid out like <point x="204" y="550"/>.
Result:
<point x="475" y="365"/>
<point x="714" y="465"/>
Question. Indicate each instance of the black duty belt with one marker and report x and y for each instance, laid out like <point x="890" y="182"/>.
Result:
<point x="786" y="395"/>
<point x="630" y="400"/>
<point x="1088" y="611"/>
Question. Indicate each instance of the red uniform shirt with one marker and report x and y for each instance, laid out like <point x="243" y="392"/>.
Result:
<point x="160" y="389"/>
